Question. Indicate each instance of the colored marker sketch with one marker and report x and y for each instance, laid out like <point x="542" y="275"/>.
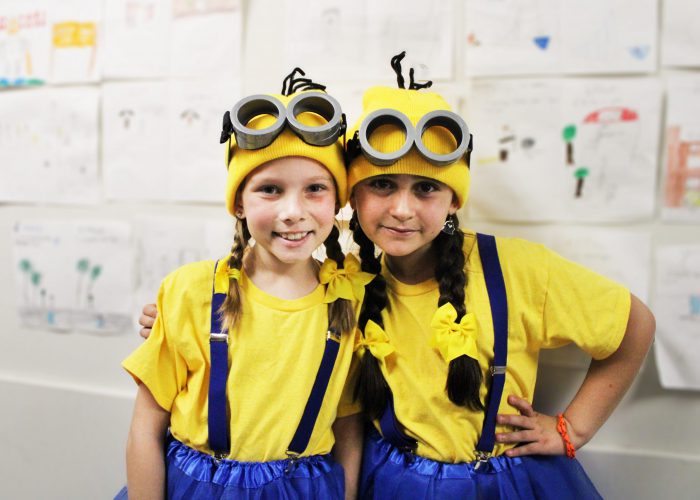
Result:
<point x="73" y="276"/>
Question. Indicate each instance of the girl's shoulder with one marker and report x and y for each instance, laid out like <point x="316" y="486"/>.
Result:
<point x="194" y="276"/>
<point x="512" y="252"/>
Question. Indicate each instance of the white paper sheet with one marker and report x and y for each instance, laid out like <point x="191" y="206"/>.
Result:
<point x="25" y="38"/>
<point x="677" y="309"/>
<point x="338" y="41"/>
<point x="76" y="41"/>
<point x="681" y="195"/>
<point x="48" y="145"/>
<point x="680" y="38"/>
<point x="166" y="243"/>
<point x="161" y="140"/>
<point x="135" y="140"/>
<point x="577" y="150"/>
<point x="73" y="275"/>
<point x="206" y="38"/>
<point x="136" y="42"/>
<point x="197" y="168"/>
<point x="550" y="36"/>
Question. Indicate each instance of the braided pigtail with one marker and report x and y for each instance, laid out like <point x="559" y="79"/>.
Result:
<point x="464" y="377"/>
<point x="372" y="389"/>
<point x="340" y="312"/>
<point x="231" y="308"/>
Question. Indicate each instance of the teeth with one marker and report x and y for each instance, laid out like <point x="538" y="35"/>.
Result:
<point x="293" y="236"/>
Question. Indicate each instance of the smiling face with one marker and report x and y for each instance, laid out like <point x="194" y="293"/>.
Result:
<point x="289" y="205"/>
<point x="401" y="213"/>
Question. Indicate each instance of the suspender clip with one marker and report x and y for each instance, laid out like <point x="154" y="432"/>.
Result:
<point x="497" y="370"/>
<point x="333" y="334"/>
<point x="482" y="457"/>
<point x="218" y="337"/>
<point x="292" y="458"/>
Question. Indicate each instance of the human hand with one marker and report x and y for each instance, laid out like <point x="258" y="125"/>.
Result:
<point x="537" y="431"/>
<point x="148" y="317"/>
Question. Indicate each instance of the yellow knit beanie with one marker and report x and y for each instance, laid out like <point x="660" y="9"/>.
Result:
<point x="242" y="162"/>
<point x="414" y="104"/>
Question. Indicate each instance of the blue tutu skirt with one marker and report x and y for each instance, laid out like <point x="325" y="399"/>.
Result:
<point x="195" y="475"/>
<point x="388" y="473"/>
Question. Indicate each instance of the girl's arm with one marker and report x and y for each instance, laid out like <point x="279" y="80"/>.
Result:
<point x="347" y="451"/>
<point x="145" y="448"/>
<point x="602" y="389"/>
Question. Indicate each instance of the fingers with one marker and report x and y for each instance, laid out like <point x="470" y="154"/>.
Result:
<point x="146" y="321"/>
<point x="522" y="405"/>
<point x="517" y="421"/>
<point x="150" y="310"/>
<point x="147" y="318"/>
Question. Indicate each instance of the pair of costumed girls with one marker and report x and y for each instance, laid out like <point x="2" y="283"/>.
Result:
<point x="405" y="373"/>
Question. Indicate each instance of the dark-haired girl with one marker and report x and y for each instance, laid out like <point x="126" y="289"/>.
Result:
<point x="452" y="326"/>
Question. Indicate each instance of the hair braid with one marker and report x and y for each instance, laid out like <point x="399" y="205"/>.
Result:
<point x="340" y="312"/>
<point x="372" y="390"/>
<point x="231" y="308"/>
<point x="464" y="377"/>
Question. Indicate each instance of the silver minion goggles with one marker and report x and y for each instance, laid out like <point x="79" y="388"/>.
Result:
<point x="414" y="136"/>
<point x="235" y="122"/>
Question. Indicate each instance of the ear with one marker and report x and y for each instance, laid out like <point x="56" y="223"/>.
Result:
<point x="240" y="214"/>
<point x="352" y="201"/>
<point x="454" y="205"/>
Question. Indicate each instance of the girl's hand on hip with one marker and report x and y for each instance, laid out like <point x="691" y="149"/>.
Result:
<point x="536" y="432"/>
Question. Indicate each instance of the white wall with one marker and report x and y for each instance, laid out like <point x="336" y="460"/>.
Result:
<point x="65" y="403"/>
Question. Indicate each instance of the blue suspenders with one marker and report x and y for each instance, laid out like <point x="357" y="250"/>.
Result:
<point x="493" y="275"/>
<point x="218" y="419"/>
<point x="496" y="289"/>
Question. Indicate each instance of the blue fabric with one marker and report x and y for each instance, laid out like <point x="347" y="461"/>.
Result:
<point x="496" y="288"/>
<point x="194" y="475"/>
<point x="388" y="473"/>
<point x="217" y="419"/>
<point x="391" y="431"/>
<point x="313" y="405"/>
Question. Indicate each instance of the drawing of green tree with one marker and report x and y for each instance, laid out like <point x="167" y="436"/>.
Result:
<point x="94" y="274"/>
<point x="580" y="174"/>
<point x="25" y="266"/>
<point x="82" y="266"/>
<point x="569" y="134"/>
<point x="36" y="281"/>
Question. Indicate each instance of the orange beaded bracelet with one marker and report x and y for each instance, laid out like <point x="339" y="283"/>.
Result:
<point x="561" y="429"/>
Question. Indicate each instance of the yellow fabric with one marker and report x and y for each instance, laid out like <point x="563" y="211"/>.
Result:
<point x="375" y="339"/>
<point x="274" y="354"/>
<point x="453" y="339"/>
<point x="241" y="162"/>
<point x="347" y="283"/>
<point x="551" y="302"/>
<point x="414" y="104"/>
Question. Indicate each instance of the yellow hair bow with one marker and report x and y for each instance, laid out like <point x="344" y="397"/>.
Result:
<point x="453" y="339"/>
<point x="234" y="273"/>
<point x="347" y="283"/>
<point x="375" y="339"/>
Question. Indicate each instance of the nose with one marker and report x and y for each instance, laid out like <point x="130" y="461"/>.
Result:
<point x="402" y="207"/>
<point x="291" y="208"/>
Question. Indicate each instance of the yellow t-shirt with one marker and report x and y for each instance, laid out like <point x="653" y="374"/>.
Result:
<point x="551" y="302"/>
<point x="274" y="354"/>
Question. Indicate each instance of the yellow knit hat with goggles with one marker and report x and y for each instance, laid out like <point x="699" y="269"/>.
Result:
<point x="242" y="162"/>
<point x="414" y="104"/>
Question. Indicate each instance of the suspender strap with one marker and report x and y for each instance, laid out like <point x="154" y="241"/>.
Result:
<point x="496" y="288"/>
<point x="218" y="348"/>
<point x="391" y="431"/>
<point x="308" y="419"/>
